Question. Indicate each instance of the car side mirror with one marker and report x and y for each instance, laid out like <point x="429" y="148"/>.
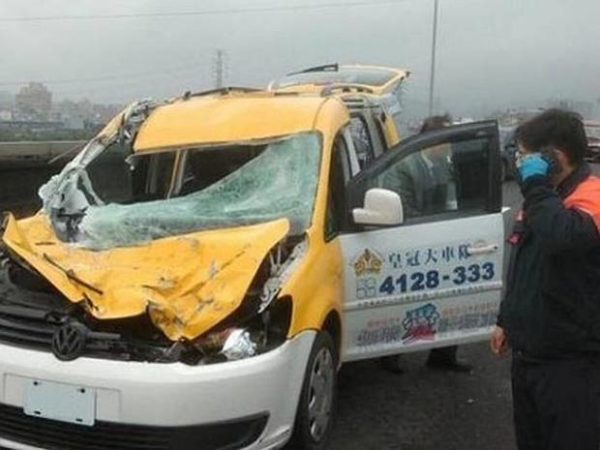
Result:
<point x="381" y="207"/>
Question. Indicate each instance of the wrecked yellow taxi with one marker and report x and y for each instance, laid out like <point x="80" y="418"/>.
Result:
<point x="179" y="237"/>
<point x="199" y="271"/>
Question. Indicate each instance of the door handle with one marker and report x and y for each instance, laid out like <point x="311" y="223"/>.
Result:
<point x="482" y="249"/>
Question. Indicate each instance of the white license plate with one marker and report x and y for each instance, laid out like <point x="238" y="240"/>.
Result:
<point x="58" y="401"/>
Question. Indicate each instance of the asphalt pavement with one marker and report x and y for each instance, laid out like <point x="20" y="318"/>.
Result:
<point x="423" y="409"/>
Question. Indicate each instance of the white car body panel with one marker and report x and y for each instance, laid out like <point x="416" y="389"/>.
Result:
<point x="443" y="309"/>
<point x="174" y="394"/>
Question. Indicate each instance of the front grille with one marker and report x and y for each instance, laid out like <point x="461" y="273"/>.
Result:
<point x="16" y="426"/>
<point x="32" y="328"/>
<point x="25" y="325"/>
<point x="31" y="311"/>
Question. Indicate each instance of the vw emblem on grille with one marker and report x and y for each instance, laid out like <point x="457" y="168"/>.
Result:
<point x="68" y="341"/>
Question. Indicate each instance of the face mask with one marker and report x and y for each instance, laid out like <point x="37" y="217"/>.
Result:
<point x="522" y="157"/>
<point x="546" y="153"/>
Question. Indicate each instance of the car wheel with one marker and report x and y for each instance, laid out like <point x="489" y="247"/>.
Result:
<point x="316" y="407"/>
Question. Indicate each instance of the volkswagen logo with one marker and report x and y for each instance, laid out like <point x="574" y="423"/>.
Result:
<point x="68" y="341"/>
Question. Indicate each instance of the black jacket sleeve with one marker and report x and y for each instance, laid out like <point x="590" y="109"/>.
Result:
<point x="559" y="228"/>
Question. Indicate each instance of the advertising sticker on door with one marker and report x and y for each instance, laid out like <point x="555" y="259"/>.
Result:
<point x="418" y="270"/>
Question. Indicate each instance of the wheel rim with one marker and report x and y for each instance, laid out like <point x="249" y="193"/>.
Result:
<point x="320" y="393"/>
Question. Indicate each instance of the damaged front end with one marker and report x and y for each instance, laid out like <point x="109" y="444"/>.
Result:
<point x="35" y="315"/>
<point x="162" y="261"/>
<point x="263" y="321"/>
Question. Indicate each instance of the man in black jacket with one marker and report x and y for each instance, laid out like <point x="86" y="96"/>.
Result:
<point x="550" y="315"/>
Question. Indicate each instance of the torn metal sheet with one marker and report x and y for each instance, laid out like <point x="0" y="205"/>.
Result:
<point x="280" y="271"/>
<point x="188" y="283"/>
<point x="67" y="196"/>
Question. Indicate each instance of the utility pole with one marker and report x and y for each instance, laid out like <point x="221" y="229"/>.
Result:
<point x="433" y="51"/>
<point x="219" y="68"/>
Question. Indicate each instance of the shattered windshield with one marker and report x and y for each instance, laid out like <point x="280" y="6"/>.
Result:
<point x="217" y="187"/>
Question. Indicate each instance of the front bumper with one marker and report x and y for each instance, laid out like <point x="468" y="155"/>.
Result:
<point x="259" y="393"/>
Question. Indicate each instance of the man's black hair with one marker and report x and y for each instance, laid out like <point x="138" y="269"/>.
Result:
<point x="557" y="128"/>
<point x="435" y="123"/>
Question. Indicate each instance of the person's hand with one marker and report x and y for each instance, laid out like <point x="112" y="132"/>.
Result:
<point x="498" y="342"/>
<point x="534" y="164"/>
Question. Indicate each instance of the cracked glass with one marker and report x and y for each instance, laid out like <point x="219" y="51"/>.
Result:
<point x="220" y="187"/>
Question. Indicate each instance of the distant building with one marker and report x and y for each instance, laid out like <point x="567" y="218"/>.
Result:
<point x="34" y="101"/>
<point x="586" y="108"/>
<point x="83" y="113"/>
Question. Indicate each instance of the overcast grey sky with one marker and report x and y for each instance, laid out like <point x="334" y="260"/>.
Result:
<point x="490" y="51"/>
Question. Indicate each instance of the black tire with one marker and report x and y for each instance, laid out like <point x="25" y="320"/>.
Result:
<point x="307" y="435"/>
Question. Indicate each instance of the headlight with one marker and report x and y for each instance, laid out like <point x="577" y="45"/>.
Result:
<point x="259" y="334"/>
<point x="239" y="345"/>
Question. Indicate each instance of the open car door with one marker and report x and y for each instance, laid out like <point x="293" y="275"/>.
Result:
<point x="431" y="275"/>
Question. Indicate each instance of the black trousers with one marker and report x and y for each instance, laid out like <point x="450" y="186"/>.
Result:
<point x="556" y="404"/>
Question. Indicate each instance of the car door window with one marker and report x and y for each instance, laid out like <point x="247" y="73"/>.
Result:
<point x="450" y="176"/>
<point x="440" y="178"/>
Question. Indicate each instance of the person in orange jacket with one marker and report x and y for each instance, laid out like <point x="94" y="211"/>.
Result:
<point x="550" y="315"/>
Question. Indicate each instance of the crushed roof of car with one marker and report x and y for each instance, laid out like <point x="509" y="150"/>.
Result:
<point x="235" y="117"/>
<point x="369" y="79"/>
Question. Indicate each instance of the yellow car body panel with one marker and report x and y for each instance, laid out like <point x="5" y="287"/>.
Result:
<point x="226" y="119"/>
<point x="317" y="285"/>
<point x="188" y="283"/>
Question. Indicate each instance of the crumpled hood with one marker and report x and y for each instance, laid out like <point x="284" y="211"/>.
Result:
<point x="188" y="283"/>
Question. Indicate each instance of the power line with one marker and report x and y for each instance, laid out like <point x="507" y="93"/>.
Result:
<point x="349" y="4"/>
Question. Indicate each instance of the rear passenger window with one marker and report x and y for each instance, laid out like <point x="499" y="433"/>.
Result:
<point x="204" y="167"/>
<point x="362" y="141"/>
<point x="118" y="176"/>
